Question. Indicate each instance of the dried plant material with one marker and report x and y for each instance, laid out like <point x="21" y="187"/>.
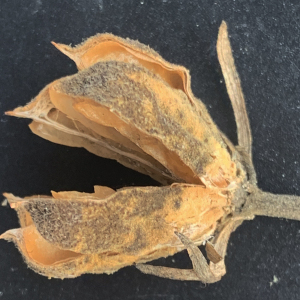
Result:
<point x="234" y="89"/>
<point x="127" y="103"/>
<point x="212" y="253"/>
<point x="132" y="224"/>
<point x="4" y="202"/>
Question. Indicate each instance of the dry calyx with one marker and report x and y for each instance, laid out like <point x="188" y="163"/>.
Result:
<point x="127" y="103"/>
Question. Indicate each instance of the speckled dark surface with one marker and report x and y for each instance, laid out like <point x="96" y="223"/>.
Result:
<point x="265" y="38"/>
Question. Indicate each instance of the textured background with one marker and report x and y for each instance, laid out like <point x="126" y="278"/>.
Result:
<point x="265" y="40"/>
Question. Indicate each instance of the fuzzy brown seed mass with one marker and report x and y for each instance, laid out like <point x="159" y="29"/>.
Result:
<point x="159" y="113"/>
<point x="122" y="222"/>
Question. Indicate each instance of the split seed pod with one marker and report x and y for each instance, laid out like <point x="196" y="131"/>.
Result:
<point x="127" y="103"/>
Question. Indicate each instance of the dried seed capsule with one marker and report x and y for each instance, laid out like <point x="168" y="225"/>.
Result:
<point x="129" y="226"/>
<point x="127" y="103"/>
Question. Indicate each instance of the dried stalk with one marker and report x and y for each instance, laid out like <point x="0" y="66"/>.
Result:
<point x="261" y="203"/>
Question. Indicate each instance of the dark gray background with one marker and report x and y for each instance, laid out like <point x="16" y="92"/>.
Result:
<point x="265" y="40"/>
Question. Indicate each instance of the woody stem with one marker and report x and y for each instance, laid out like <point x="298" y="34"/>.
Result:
<point x="266" y="204"/>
